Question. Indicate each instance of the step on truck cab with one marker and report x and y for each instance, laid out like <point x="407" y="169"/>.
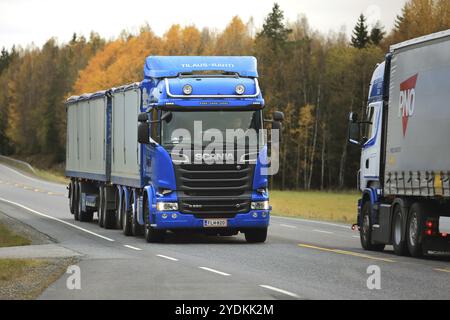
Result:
<point x="404" y="171"/>
<point x="184" y="149"/>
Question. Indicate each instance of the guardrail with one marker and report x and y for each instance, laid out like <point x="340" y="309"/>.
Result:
<point x="18" y="162"/>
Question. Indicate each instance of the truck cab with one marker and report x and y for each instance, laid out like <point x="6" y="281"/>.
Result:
<point x="372" y="133"/>
<point x="197" y="177"/>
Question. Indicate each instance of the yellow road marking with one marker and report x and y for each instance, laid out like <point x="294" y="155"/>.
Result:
<point x="344" y="252"/>
<point x="443" y="270"/>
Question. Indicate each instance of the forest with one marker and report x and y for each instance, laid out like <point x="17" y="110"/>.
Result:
<point x="315" y="79"/>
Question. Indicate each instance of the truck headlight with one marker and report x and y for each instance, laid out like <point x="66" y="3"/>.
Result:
<point x="187" y="89"/>
<point x="240" y="89"/>
<point x="260" y="205"/>
<point x="166" y="206"/>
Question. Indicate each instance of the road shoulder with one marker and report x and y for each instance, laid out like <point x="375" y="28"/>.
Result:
<point x="26" y="271"/>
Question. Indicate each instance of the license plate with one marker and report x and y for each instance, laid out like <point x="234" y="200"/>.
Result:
<point x="215" y="223"/>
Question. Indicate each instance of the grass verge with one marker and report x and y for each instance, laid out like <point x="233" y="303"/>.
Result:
<point x="10" y="239"/>
<point x="317" y="205"/>
<point x="27" y="278"/>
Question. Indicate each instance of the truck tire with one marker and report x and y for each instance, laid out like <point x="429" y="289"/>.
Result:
<point x="101" y="207"/>
<point x="109" y="216"/>
<point x="126" y="219"/>
<point x="76" y="192"/>
<point x="118" y="214"/>
<point x="136" y="228"/>
<point x="415" y="228"/>
<point x="71" y="197"/>
<point x="258" y="235"/>
<point x="83" y="216"/>
<point x="398" y="235"/>
<point x="365" y="233"/>
<point x="152" y="235"/>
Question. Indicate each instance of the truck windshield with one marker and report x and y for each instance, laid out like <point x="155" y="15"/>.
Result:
<point x="220" y="121"/>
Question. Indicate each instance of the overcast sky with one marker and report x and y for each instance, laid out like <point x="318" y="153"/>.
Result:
<point x="23" y="22"/>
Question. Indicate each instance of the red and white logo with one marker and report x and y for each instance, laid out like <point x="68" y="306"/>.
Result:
<point x="407" y="100"/>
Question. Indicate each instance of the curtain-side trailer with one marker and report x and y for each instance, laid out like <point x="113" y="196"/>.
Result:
<point x="404" y="171"/>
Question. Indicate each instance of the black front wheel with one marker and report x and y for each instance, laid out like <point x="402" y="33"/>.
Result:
<point x="365" y="232"/>
<point x="256" y="235"/>
<point x="152" y="234"/>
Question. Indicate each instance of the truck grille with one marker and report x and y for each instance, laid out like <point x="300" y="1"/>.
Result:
<point x="214" y="191"/>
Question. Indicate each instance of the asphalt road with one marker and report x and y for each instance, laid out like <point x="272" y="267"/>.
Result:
<point x="302" y="259"/>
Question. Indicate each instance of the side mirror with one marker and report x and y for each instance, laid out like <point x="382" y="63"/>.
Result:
<point x="278" y="116"/>
<point x="354" y="129"/>
<point x="353" y="117"/>
<point x="167" y="117"/>
<point x="144" y="132"/>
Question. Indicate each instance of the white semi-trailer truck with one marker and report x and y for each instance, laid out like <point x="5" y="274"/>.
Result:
<point x="404" y="171"/>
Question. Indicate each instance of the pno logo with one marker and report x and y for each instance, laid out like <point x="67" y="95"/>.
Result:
<point x="407" y="100"/>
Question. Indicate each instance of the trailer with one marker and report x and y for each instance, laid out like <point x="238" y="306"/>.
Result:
<point x="121" y="159"/>
<point x="404" y="172"/>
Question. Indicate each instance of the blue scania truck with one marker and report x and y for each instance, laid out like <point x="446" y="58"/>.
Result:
<point x="120" y="159"/>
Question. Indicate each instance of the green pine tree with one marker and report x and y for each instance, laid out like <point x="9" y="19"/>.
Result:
<point x="273" y="27"/>
<point x="377" y="34"/>
<point x="360" y="37"/>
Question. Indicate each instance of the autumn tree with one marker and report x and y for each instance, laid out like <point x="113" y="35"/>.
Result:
<point x="235" y="39"/>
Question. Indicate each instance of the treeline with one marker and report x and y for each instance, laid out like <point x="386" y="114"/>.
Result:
<point x="315" y="79"/>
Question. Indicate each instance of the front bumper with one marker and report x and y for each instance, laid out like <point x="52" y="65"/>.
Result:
<point x="177" y="220"/>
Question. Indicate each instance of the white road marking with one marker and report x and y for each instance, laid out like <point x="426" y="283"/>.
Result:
<point x="356" y="237"/>
<point x="56" y="219"/>
<point x="312" y="221"/>
<point x="288" y="226"/>
<point x="215" y="271"/>
<point x="279" y="291"/>
<point x="131" y="247"/>
<point x="322" y="231"/>
<point x="166" y="257"/>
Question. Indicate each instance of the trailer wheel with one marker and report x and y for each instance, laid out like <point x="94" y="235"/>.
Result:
<point x="118" y="213"/>
<point x="126" y="219"/>
<point x="76" y="192"/>
<point x="258" y="235"/>
<point x="101" y="207"/>
<point x="109" y="216"/>
<point x="151" y="234"/>
<point x="71" y="197"/>
<point x="365" y="232"/>
<point x="416" y="223"/>
<point x="398" y="238"/>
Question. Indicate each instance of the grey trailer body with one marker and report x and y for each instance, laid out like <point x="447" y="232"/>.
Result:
<point x="87" y="132"/>
<point x="404" y="171"/>
<point x="418" y="126"/>
<point x="125" y="166"/>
